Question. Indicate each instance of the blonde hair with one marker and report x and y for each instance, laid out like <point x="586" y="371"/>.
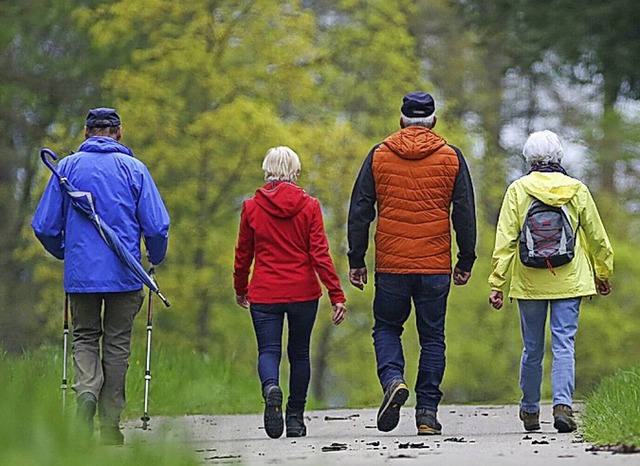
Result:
<point x="281" y="164"/>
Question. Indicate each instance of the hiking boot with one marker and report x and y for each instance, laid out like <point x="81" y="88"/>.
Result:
<point x="395" y="396"/>
<point x="563" y="418"/>
<point x="427" y="422"/>
<point x="111" y="435"/>
<point x="273" y="423"/>
<point x="85" y="411"/>
<point x="295" y="424"/>
<point x="531" y="421"/>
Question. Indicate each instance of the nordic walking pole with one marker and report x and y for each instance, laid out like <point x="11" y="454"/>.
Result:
<point x="65" y="347"/>
<point x="147" y="373"/>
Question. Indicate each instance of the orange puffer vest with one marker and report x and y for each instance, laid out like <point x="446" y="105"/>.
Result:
<point x="414" y="172"/>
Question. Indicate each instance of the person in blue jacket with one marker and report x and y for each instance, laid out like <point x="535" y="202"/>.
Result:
<point x="104" y="295"/>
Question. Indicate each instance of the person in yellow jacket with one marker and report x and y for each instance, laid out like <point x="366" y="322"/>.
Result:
<point x="553" y="291"/>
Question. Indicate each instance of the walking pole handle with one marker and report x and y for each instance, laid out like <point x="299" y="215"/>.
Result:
<point x="152" y="274"/>
<point x="163" y="299"/>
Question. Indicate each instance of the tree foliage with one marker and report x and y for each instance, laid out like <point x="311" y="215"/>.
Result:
<point x="571" y="46"/>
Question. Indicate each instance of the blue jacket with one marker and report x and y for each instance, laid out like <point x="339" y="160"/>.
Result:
<point x="126" y="198"/>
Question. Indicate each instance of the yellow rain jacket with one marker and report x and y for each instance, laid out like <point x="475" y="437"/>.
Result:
<point x="593" y="252"/>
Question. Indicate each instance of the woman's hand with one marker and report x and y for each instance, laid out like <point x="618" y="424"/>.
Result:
<point x="603" y="286"/>
<point x="242" y="300"/>
<point x="496" y="299"/>
<point x="339" y="313"/>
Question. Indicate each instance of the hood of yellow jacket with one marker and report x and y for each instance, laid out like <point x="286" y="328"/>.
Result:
<point x="554" y="189"/>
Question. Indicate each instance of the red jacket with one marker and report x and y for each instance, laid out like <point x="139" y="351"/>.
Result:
<point x="282" y="232"/>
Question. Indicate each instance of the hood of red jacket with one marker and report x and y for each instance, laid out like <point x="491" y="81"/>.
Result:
<point x="414" y="142"/>
<point x="281" y="199"/>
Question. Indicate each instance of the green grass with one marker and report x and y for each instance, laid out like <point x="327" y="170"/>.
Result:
<point x="611" y="415"/>
<point x="188" y="382"/>
<point x="36" y="431"/>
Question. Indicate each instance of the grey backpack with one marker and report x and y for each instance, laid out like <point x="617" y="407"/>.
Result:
<point x="546" y="239"/>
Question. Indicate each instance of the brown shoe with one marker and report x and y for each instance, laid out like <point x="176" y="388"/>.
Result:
<point x="563" y="418"/>
<point x="395" y="396"/>
<point x="427" y="422"/>
<point x="531" y="421"/>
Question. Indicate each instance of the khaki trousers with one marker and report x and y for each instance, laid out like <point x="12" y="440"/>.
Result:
<point x="102" y="324"/>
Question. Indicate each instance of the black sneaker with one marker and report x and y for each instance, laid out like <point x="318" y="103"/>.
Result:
<point x="273" y="423"/>
<point x="395" y="396"/>
<point x="531" y="421"/>
<point x="427" y="422"/>
<point x="295" y="424"/>
<point x="111" y="435"/>
<point x="563" y="418"/>
<point x="85" y="411"/>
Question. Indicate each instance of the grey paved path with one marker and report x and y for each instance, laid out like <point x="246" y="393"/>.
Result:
<point x="472" y="435"/>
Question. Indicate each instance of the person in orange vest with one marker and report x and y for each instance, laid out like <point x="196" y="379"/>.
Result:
<point x="419" y="185"/>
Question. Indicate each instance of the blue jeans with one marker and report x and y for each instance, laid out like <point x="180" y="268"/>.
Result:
<point x="391" y="309"/>
<point x="268" y="321"/>
<point x="563" y="323"/>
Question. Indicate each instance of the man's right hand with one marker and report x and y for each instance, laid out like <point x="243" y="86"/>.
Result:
<point x="358" y="277"/>
<point x="460" y="277"/>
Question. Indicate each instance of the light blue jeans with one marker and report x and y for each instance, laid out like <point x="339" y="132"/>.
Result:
<point x="563" y="323"/>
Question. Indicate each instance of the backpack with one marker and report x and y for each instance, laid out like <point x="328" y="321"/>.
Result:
<point x="546" y="239"/>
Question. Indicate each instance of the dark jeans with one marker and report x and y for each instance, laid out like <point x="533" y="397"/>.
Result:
<point x="268" y="320"/>
<point x="101" y="347"/>
<point x="391" y="309"/>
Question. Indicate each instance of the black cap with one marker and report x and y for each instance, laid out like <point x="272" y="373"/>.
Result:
<point x="418" y="105"/>
<point x="102" y="118"/>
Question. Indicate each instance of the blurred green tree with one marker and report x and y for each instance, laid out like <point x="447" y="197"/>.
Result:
<point x="572" y="49"/>
<point x="49" y="77"/>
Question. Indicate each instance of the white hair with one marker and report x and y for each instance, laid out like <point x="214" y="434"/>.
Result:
<point x="281" y="164"/>
<point x="427" y="122"/>
<point x="543" y="147"/>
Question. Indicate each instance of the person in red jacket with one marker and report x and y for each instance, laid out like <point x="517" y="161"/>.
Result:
<point x="282" y="234"/>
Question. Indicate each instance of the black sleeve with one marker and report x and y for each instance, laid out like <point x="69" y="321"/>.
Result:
<point x="463" y="215"/>
<point x="362" y="212"/>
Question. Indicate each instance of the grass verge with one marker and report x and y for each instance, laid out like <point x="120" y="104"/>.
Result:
<point x="35" y="430"/>
<point x="611" y="414"/>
